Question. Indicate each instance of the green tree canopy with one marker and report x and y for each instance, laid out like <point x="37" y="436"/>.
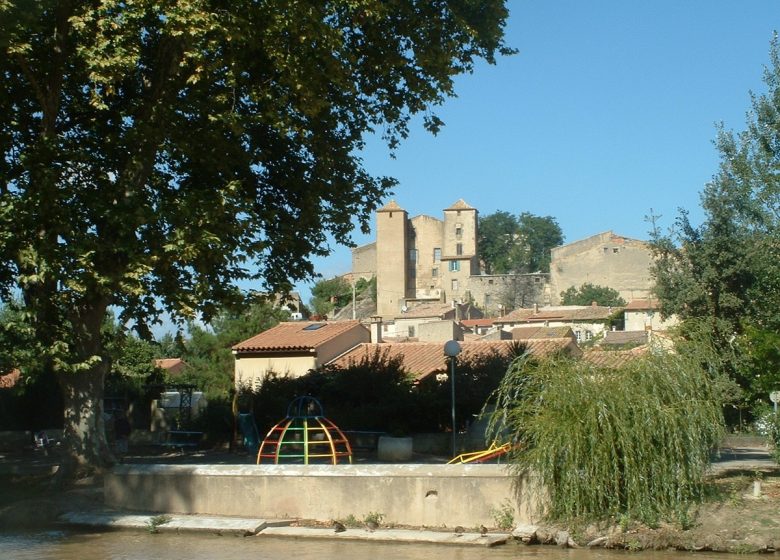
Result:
<point x="540" y="234"/>
<point x="207" y="350"/>
<point x="498" y="242"/>
<point x="510" y="244"/>
<point x="328" y="295"/>
<point x="156" y="152"/>
<point x="588" y="293"/>
<point x="723" y="276"/>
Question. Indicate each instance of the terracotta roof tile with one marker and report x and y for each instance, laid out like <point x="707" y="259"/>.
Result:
<point x="296" y="336"/>
<point x="422" y="359"/>
<point x="642" y="305"/>
<point x="477" y="323"/>
<point x="10" y="379"/>
<point x="613" y="358"/>
<point x="172" y="365"/>
<point x="625" y="337"/>
<point x="560" y="313"/>
<point x="529" y="333"/>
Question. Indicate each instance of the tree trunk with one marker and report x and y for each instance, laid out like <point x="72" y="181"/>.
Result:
<point x="85" y="448"/>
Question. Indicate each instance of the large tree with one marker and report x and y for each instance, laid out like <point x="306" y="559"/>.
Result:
<point x="589" y="293"/>
<point x="517" y="244"/>
<point x="723" y="276"/>
<point x="155" y="152"/>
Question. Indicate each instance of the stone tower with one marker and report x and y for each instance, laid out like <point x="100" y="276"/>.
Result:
<point x="392" y="259"/>
<point x="459" y="249"/>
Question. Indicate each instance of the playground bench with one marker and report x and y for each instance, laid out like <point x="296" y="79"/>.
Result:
<point x="182" y="438"/>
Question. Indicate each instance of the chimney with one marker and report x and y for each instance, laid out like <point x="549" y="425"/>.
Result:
<point x="376" y="329"/>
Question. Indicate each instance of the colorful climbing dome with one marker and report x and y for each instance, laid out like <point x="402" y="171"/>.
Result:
<point x="305" y="436"/>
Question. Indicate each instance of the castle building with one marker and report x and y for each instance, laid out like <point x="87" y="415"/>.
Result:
<point x="423" y="259"/>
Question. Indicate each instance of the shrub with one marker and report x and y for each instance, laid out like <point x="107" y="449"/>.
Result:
<point x="632" y="441"/>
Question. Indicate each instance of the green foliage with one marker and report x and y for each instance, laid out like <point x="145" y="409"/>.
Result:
<point x="504" y="516"/>
<point x="154" y="522"/>
<point x="509" y="244"/>
<point x="723" y="277"/>
<point x="373" y="517"/>
<point x="208" y="352"/>
<point x="588" y="293"/>
<point x="498" y="242"/>
<point x="155" y="154"/>
<point x="377" y="394"/>
<point x="632" y="441"/>
<point x="539" y="234"/>
<point x="328" y="295"/>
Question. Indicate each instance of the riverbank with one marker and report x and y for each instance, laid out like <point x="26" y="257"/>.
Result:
<point x="737" y="516"/>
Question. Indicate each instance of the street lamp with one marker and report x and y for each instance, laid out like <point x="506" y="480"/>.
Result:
<point x="452" y="349"/>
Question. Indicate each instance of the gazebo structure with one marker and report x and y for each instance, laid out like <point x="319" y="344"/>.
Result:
<point x="305" y="436"/>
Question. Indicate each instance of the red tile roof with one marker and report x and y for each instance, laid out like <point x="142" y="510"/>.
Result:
<point x="560" y="313"/>
<point x="477" y="323"/>
<point x="10" y="379"/>
<point x="296" y="336"/>
<point x="422" y="359"/>
<point x="642" y="305"/>
<point x="613" y="358"/>
<point x="538" y="332"/>
<point x="171" y="365"/>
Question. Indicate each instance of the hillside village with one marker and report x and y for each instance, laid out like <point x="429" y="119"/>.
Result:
<point x="430" y="289"/>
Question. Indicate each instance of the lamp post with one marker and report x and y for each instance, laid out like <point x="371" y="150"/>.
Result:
<point x="452" y="349"/>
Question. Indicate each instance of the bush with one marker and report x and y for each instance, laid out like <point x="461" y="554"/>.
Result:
<point x="633" y="441"/>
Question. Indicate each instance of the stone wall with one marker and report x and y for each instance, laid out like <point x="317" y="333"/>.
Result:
<point x="418" y="495"/>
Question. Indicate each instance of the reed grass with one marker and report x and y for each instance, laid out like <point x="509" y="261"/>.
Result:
<point x="633" y="441"/>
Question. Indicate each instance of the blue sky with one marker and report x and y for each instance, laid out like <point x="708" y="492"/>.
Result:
<point x="609" y="109"/>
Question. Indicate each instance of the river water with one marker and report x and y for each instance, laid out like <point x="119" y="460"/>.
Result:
<point x="123" y="545"/>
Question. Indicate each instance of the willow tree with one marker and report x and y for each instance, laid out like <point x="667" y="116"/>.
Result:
<point x="607" y="442"/>
<point x="156" y="152"/>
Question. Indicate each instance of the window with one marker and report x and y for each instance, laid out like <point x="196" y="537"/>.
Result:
<point x="458" y="230"/>
<point x="454" y="266"/>
<point x="413" y="255"/>
<point x="537" y="280"/>
<point x="588" y="335"/>
<point x="314" y="326"/>
<point x="488" y="300"/>
<point x="490" y="282"/>
<point x="459" y="249"/>
<point x="578" y="335"/>
<point x="615" y="249"/>
<point x="437" y="255"/>
<point x="411" y="331"/>
<point x="435" y="272"/>
<point x="454" y="284"/>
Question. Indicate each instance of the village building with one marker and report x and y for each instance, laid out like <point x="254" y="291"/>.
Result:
<point x="605" y="259"/>
<point x="422" y="259"/>
<point x="644" y="315"/>
<point x="293" y="348"/>
<point x="586" y="321"/>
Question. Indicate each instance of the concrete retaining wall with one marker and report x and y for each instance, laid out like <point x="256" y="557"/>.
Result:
<point x="419" y="495"/>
